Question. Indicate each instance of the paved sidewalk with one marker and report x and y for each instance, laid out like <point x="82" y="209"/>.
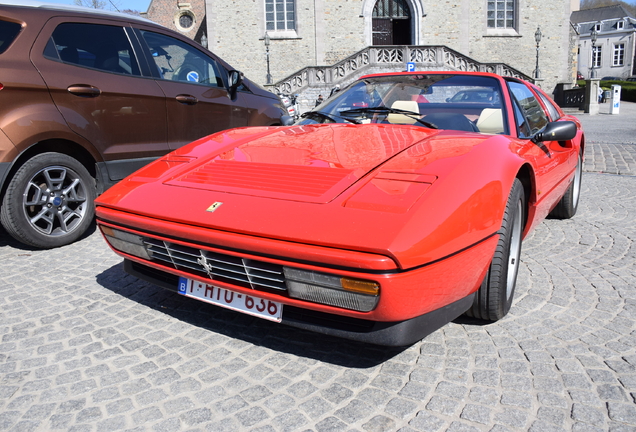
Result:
<point x="85" y="347"/>
<point x="613" y="139"/>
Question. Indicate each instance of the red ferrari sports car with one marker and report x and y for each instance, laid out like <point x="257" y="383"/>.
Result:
<point x="386" y="212"/>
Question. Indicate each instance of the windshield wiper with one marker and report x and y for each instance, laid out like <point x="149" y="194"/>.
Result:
<point x="324" y="115"/>
<point x="387" y="110"/>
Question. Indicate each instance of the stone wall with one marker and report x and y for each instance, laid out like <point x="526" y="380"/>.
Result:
<point x="463" y="27"/>
<point x="167" y="14"/>
<point x="330" y="30"/>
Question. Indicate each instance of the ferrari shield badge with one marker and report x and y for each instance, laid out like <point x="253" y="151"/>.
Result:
<point x="214" y="206"/>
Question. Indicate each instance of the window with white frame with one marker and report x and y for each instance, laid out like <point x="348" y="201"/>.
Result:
<point x="501" y="14"/>
<point x="620" y="25"/>
<point x="618" y="58"/>
<point x="596" y="56"/>
<point x="597" y="27"/>
<point x="280" y="15"/>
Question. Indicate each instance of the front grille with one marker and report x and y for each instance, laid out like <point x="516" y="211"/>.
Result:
<point x="226" y="268"/>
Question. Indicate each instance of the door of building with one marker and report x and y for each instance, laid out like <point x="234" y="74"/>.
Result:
<point x="392" y="23"/>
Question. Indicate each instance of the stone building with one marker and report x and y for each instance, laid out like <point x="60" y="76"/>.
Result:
<point x="188" y="18"/>
<point x="613" y="51"/>
<point x="314" y="33"/>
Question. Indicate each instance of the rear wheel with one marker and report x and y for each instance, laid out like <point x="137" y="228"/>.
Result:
<point x="494" y="297"/>
<point x="49" y="201"/>
<point x="569" y="203"/>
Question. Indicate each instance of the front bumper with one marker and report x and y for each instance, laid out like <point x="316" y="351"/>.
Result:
<point x="412" y="303"/>
<point x="399" y="333"/>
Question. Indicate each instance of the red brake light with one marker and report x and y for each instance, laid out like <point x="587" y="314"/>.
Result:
<point x="1" y="86"/>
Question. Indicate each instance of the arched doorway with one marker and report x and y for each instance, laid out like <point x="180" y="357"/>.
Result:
<point x="392" y="23"/>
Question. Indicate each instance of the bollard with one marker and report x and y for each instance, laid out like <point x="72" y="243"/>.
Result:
<point x="615" y="99"/>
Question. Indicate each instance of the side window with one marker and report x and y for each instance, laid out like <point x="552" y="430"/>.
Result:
<point x="8" y="32"/>
<point x="96" y="46"/>
<point x="522" y="124"/>
<point x="529" y="115"/>
<point x="177" y="61"/>
<point x="554" y="114"/>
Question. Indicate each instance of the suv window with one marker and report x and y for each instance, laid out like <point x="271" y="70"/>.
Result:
<point x="529" y="115"/>
<point x="96" y="46"/>
<point x="178" y="61"/>
<point x="8" y="32"/>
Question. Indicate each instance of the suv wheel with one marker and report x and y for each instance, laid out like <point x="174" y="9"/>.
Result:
<point x="49" y="201"/>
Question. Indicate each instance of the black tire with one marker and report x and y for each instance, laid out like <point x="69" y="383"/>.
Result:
<point x="569" y="203"/>
<point x="49" y="202"/>
<point x="494" y="297"/>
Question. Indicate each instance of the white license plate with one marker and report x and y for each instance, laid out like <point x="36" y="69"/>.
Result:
<point x="256" y="306"/>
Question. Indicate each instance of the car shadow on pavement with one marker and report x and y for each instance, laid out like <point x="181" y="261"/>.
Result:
<point x="250" y="329"/>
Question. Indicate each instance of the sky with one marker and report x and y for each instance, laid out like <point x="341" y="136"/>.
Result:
<point x="138" y="5"/>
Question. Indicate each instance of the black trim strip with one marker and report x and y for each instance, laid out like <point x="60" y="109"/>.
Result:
<point x="401" y="333"/>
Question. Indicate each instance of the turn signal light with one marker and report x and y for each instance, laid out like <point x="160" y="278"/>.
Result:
<point x="360" y="286"/>
<point x="355" y="294"/>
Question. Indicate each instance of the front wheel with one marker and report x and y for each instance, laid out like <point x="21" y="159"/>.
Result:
<point x="569" y="203"/>
<point x="494" y="297"/>
<point x="49" y="201"/>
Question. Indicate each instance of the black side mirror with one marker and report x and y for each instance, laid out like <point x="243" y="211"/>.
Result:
<point x="556" y="131"/>
<point x="234" y="80"/>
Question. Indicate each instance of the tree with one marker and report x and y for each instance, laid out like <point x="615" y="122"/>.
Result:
<point x="103" y="4"/>
<point x="591" y="4"/>
<point x="94" y="4"/>
<point x="131" y="12"/>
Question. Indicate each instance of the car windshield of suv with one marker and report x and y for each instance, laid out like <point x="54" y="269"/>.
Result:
<point x="455" y="102"/>
<point x="8" y="32"/>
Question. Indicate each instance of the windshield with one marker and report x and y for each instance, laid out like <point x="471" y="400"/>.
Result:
<point x="447" y="101"/>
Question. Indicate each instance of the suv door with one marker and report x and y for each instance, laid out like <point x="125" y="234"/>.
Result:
<point x="194" y="83"/>
<point x="95" y="79"/>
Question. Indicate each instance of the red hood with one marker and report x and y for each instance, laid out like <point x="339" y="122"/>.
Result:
<point x="302" y="163"/>
<point x="297" y="184"/>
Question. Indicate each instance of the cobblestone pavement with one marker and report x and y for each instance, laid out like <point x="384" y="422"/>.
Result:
<point x="613" y="139"/>
<point x="85" y="347"/>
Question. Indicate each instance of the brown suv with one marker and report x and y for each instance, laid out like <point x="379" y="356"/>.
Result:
<point x="88" y="97"/>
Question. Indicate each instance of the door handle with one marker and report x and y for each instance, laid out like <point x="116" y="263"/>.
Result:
<point x="84" y="90"/>
<point x="187" y="99"/>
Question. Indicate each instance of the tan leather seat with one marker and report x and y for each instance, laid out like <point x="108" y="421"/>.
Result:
<point x="405" y="105"/>
<point x="490" y="121"/>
